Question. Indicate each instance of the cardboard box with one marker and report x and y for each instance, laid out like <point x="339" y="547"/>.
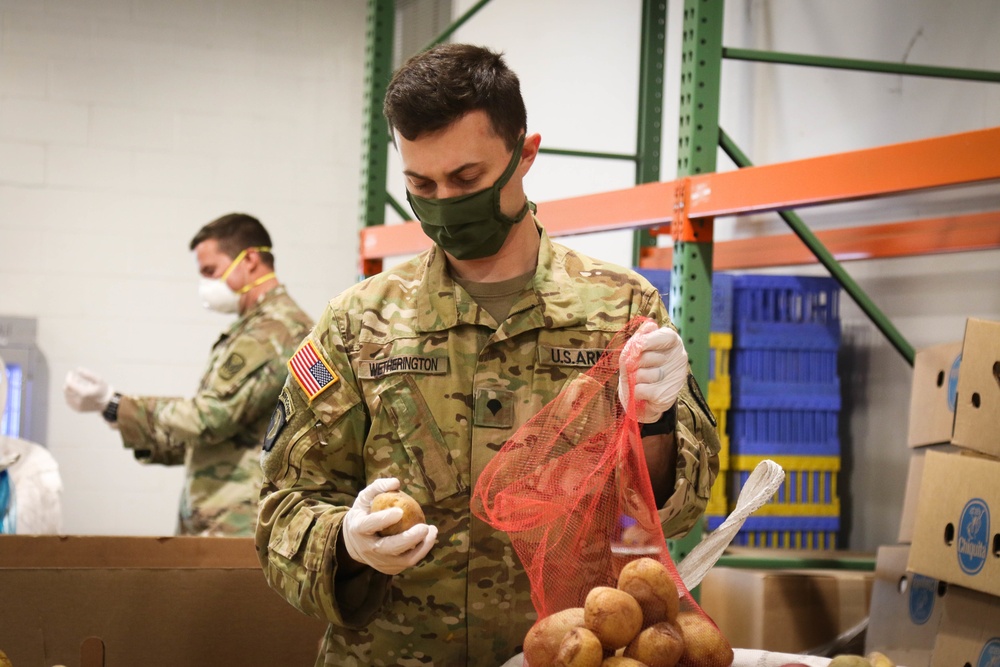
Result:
<point x="970" y="631"/>
<point x="956" y="537"/>
<point x="129" y="601"/>
<point x="911" y="495"/>
<point x="933" y="393"/>
<point x="789" y="611"/>
<point x="906" y="610"/>
<point x="977" y="416"/>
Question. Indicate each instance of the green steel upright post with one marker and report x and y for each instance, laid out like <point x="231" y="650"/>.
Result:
<point x="691" y="277"/>
<point x="375" y="151"/>
<point x="653" y="42"/>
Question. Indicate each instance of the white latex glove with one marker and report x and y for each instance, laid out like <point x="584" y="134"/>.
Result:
<point x="392" y="554"/>
<point x="661" y="371"/>
<point x="85" y="391"/>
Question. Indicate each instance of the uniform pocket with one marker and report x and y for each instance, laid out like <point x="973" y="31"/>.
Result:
<point x="287" y="542"/>
<point x="428" y="468"/>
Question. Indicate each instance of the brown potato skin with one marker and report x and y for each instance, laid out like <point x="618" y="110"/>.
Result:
<point x="704" y="644"/>
<point x="580" y="648"/>
<point x="412" y="512"/>
<point x="541" y="644"/>
<point x="660" y="645"/>
<point x="613" y="615"/>
<point x="620" y="661"/>
<point x="650" y="583"/>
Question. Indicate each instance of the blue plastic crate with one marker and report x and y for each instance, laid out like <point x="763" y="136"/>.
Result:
<point x="774" y="432"/>
<point x="785" y="532"/>
<point x="791" y="379"/>
<point x="782" y="366"/>
<point x="658" y="278"/>
<point x="722" y="295"/>
<point x="786" y="312"/>
<point x="815" y="523"/>
<point x="722" y="302"/>
<point x="750" y="396"/>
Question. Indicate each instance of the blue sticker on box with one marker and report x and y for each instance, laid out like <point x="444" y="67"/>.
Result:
<point x="990" y="655"/>
<point x="953" y="383"/>
<point x="973" y="534"/>
<point x="922" y="593"/>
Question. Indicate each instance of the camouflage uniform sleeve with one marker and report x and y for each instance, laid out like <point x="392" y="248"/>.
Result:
<point x="313" y="470"/>
<point x="697" y="443"/>
<point x="236" y="392"/>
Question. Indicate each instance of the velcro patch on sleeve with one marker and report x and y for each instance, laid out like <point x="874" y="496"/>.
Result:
<point x="311" y="371"/>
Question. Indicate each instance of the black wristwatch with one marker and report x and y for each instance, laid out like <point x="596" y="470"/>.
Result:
<point x="665" y="425"/>
<point x="110" y="413"/>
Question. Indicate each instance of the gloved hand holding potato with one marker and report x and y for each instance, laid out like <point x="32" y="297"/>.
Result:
<point x="370" y="534"/>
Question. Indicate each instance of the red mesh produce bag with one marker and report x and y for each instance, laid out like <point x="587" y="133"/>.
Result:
<point x="572" y="491"/>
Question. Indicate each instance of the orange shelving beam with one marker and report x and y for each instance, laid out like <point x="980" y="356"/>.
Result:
<point x="969" y="157"/>
<point x="956" y="233"/>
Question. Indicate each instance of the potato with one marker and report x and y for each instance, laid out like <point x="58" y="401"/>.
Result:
<point x="649" y="582"/>
<point x="412" y="514"/>
<point x="849" y="660"/>
<point x="541" y="644"/>
<point x="618" y="661"/>
<point x="880" y="659"/>
<point x="704" y="644"/>
<point x="659" y="645"/>
<point x="613" y="615"/>
<point x="580" y="648"/>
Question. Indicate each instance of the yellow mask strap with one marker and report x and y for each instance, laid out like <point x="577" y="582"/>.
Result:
<point x="239" y="258"/>
<point x="259" y="281"/>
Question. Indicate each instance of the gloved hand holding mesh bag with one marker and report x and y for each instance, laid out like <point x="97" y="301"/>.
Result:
<point x="566" y="486"/>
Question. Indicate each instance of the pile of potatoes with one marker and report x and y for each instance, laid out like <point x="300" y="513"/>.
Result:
<point x="638" y="623"/>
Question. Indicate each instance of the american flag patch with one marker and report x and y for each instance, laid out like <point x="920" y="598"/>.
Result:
<point x="311" y="370"/>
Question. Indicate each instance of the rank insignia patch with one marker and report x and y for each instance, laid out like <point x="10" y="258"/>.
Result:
<point x="310" y="370"/>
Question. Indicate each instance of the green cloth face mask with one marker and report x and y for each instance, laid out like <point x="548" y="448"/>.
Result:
<point x="470" y="226"/>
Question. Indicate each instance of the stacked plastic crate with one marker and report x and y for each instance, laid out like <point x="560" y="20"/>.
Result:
<point x="719" y="391"/>
<point x="785" y="406"/>
<point x="720" y="342"/>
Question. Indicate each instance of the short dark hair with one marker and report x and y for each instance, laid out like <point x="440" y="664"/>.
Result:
<point x="435" y="88"/>
<point x="235" y="232"/>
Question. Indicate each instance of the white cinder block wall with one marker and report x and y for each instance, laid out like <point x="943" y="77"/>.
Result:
<point x="125" y="125"/>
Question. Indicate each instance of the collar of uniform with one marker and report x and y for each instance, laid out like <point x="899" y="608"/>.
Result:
<point x="442" y="304"/>
<point x="264" y="300"/>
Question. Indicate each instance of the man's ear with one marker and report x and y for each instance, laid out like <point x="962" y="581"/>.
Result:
<point x="253" y="260"/>
<point x="530" y="151"/>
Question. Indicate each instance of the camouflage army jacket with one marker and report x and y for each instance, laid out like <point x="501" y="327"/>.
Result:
<point x="217" y="434"/>
<point x="422" y="384"/>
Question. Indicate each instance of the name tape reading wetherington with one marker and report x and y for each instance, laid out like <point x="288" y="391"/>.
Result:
<point x="373" y="369"/>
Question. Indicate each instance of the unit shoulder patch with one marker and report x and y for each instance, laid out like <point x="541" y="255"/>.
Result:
<point x="233" y="364"/>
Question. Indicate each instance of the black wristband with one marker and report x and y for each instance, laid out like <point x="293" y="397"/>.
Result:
<point x="665" y="425"/>
<point x="110" y="412"/>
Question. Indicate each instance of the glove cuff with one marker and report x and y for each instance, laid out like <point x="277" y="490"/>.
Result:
<point x="665" y="425"/>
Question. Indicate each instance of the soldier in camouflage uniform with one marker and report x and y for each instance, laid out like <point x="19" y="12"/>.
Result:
<point x="216" y="435"/>
<point x="416" y="377"/>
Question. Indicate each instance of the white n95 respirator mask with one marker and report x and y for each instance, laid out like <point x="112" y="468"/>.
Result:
<point x="215" y="293"/>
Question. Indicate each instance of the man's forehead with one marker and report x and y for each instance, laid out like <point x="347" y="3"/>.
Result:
<point x="450" y="148"/>
<point x="208" y="252"/>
